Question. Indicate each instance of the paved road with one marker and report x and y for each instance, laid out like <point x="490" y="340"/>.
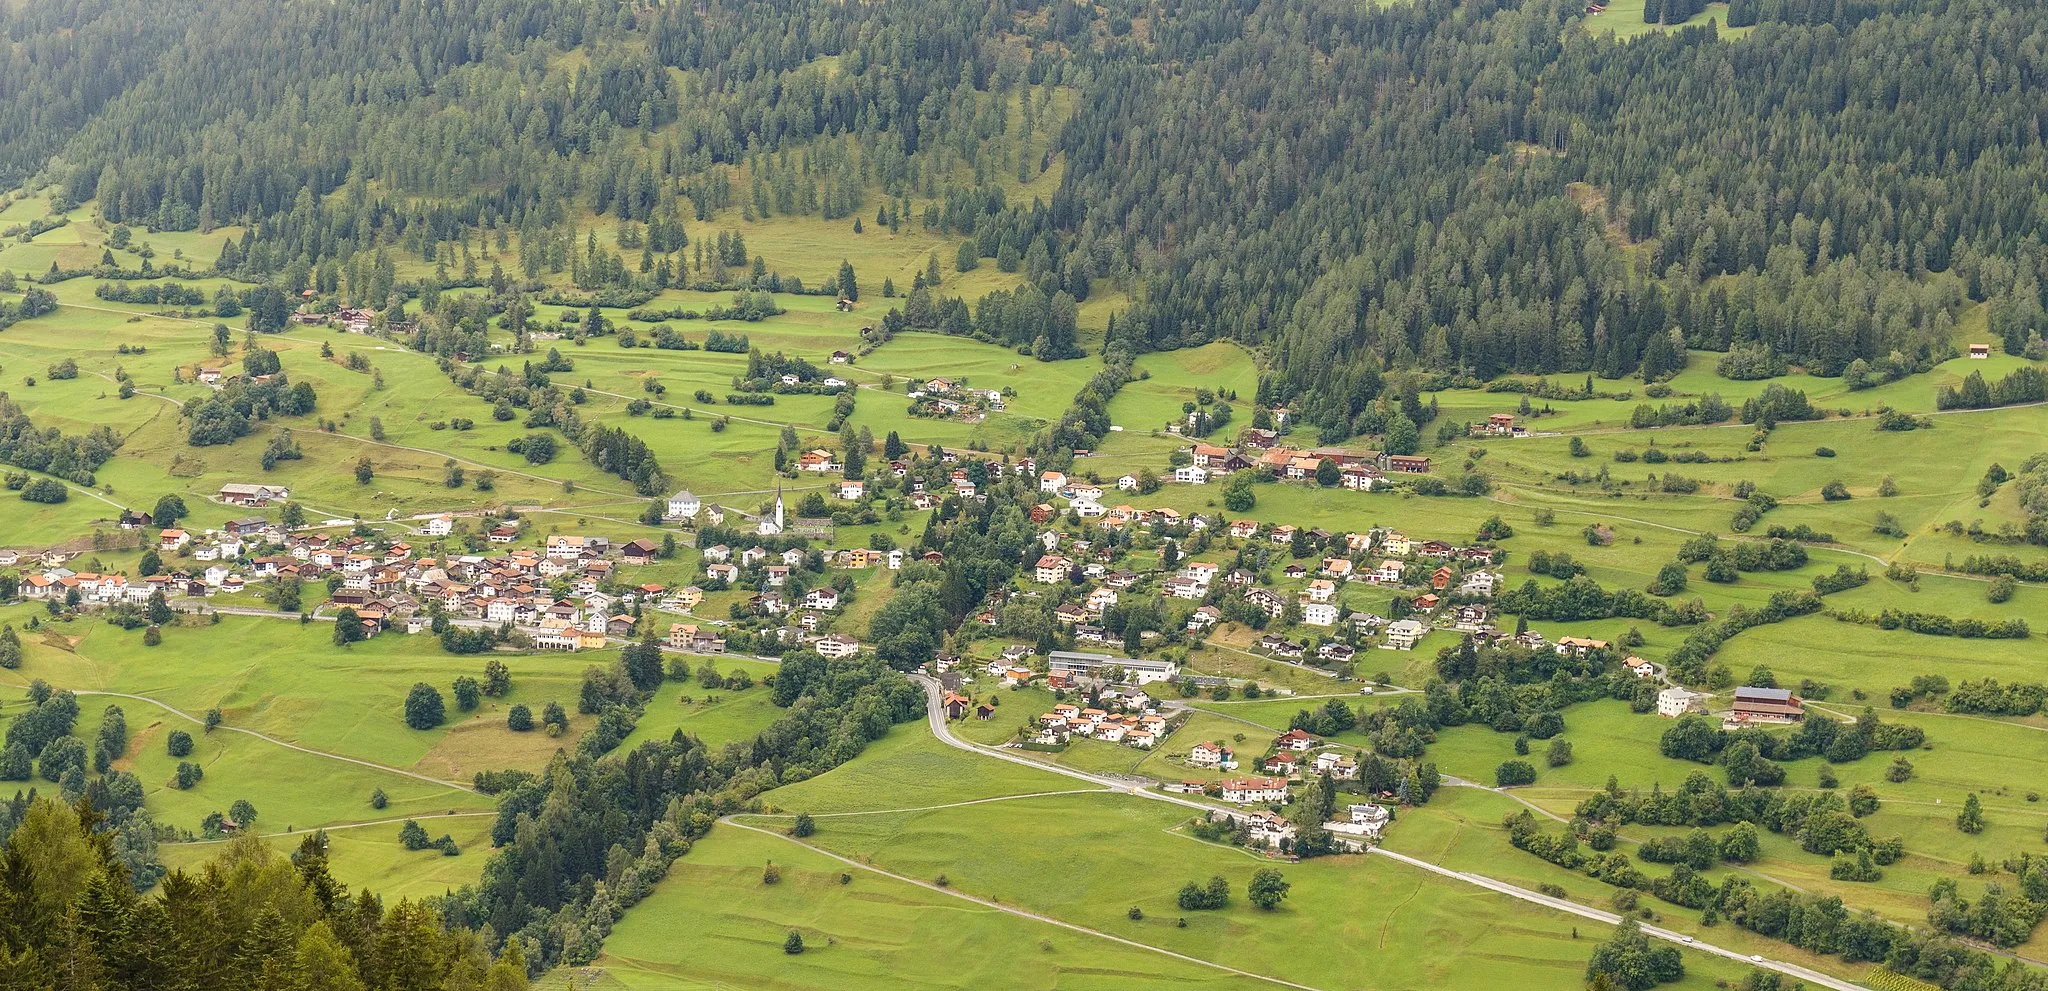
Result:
<point x="936" y="715"/>
<point x="1021" y="913"/>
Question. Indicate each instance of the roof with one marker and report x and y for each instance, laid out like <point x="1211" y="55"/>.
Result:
<point x="1747" y="694"/>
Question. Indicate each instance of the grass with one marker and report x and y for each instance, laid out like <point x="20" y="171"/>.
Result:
<point x="712" y="924"/>
<point x="370" y="858"/>
<point x="1624" y="19"/>
<point x="997" y="850"/>
<point x="910" y="768"/>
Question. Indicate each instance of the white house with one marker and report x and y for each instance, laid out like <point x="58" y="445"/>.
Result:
<point x="439" y="526"/>
<point x="1191" y="475"/>
<point x="1402" y="634"/>
<point x="1127" y="483"/>
<point x="684" y="506"/>
<point x="1051" y="569"/>
<point x="1250" y="791"/>
<point x="836" y="647"/>
<point x="851" y="489"/>
<point x="1675" y="702"/>
<point x="1319" y="614"/>
<point x="1052" y="481"/>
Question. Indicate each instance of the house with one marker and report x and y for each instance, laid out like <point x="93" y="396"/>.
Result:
<point x="1335" y="651"/>
<point x="1341" y="767"/>
<point x="133" y="520"/>
<point x="1191" y="475"/>
<point x="852" y="489"/>
<point x="1280" y="646"/>
<point x="239" y="494"/>
<point x="1337" y="567"/>
<point x="1363" y="826"/>
<point x="1409" y="463"/>
<point x="1500" y="424"/>
<point x="1675" y="702"/>
<point x="821" y="598"/>
<point x="1360" y="478"/>
<point x="1206" y="754"/>
<point x="439" y="526"/>
<point x="1766" y="705"/>
<point x="1639" y="667"/>
<point x="1101" y="599"/>
<point x="1319" y="614"/>
<point x="1395" y="544"/>
<point x="834" y="647"/>
<point x="1127" y="483"/>
<point x="1204" y="618"/>
<point x="1269" y="829"/>
<point x="818" y="460"/>
<point x="1440" y="579"/>
<point x="641" y="551"/>
<point x="1402" y="634"/>
<point x="684" y="506"/>
<point x="1282" y="764"/>
<point x="1320" y="590"/>
<point x="717" y="553"/>
<point x="1980" y="351"/>
<point x="1579" y="646"/>
<point x="722" y="573"/>
<point x="171" y="540"/>
<point x="1250" y="791"/>
<point x="1295" y="740"/>
<point x="957" y="705"/>
<point x="1181" y="587"/>
<point x="1052" y="481"/>
<point x="1267" y="601"/>
<point x="1051" y="569"/>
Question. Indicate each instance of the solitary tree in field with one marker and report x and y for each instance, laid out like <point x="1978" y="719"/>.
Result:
<point x="794" y="944"/>
<point x="1267" y="888"/>
<point x="1971" y="819"/>
<point x="424" y="707"/>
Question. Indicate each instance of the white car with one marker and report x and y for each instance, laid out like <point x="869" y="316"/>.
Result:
<point x="1756" y="958"/>
<point x="1684" y="938"/>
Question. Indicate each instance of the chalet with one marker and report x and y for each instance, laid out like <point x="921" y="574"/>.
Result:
<point x="1335" y="650"/>
<point x="1980" y="351"/>
<point x="1283" y="764"/>
<point x="1500" y="424"/>
<point x="171" y="540"/>
<point x="821" y="598"/>
<point x="1280" y="646"/>
<point x="1578" y="646"/>
<point x="1409" y="463"/>
<point x="640" y="551"/>
<point x="133" y="520"/>
<point x="1295" y="740"/>
<point x="818" y="460"/>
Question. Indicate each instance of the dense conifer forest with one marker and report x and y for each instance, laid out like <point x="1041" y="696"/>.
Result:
<point x="1451" y="188"/>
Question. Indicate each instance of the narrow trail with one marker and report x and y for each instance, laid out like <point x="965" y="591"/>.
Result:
<point x="1022" y="913"/>
<point x="928" y="808"/>
<point x="167" y="707"/>
<point x="351" y="825"/>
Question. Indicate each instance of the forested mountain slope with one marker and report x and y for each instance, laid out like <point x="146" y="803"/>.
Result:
<point x="1470" y="187"/>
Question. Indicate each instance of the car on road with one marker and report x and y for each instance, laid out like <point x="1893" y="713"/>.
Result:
<point x="1756" y="958"/>
<point x="1684" y="938"/>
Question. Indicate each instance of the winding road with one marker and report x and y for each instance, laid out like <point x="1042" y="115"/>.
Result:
<point x="935" y="714"/>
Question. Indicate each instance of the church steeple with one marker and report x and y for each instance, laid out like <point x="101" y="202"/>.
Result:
<point x="778" y="508"/>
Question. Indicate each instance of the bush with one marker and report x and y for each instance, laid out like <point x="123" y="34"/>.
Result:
<point x="519" y="719"/>
<point x="179" y="743"/>
<point x="1514" y="772"/>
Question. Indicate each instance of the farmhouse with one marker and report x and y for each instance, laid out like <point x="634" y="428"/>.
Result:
<point x="239" y="494"/>
<point x="1766" y="705"/>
